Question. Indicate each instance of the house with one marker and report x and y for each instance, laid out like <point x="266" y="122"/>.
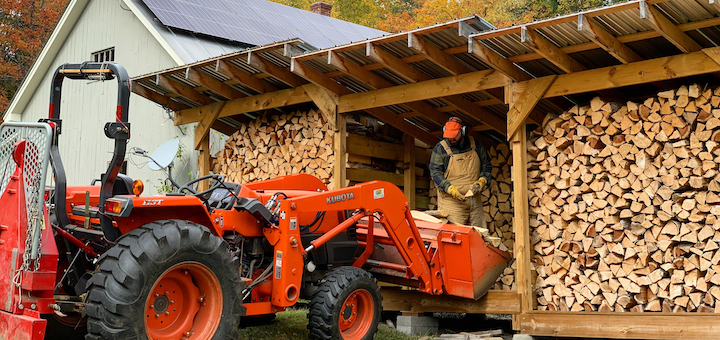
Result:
<point x="144" y="36"/>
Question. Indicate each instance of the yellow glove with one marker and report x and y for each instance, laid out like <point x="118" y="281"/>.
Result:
<point x="454" y="192"/>
<point x="481" y="182"/>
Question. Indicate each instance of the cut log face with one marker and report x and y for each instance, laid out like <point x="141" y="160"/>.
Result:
<point x="624" y="218"/>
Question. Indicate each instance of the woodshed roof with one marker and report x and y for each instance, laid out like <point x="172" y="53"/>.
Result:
<point x="415" y="80"/>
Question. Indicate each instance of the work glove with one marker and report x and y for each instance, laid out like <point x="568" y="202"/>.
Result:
<point x="481" y="182"/>
<point x="455" y="193"/>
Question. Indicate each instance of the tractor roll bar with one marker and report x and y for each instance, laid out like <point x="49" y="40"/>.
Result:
<point x="118" y="130"/>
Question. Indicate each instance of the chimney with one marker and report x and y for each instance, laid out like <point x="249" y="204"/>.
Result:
<point x="322" y="8"/>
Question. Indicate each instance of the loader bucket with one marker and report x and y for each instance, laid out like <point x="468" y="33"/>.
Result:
<point x="469" y="266"/>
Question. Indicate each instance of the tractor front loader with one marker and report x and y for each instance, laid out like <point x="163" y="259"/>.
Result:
<point x="103" y="262"/>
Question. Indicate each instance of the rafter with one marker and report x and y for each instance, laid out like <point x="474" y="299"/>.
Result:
<point x="605" y="40"/>
<point x="212" y="84"/>
<point x="549" y="51"/>
<point x="667" y="29"/>
<point x="437" y="55"/>
<point x="376" y="82"/>
<point x="496" y="61"/>
<point x="182" y="90"/>
<point x="443" y="87"/>
<point x="241" y="77"/>
<point x="413" y="75"/>
<point x="386" y="116"/>
<point x="151" y="95"/>
<point x="278" y="72"/>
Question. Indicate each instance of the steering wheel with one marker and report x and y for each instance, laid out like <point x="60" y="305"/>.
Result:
<point x="217" y="183"/>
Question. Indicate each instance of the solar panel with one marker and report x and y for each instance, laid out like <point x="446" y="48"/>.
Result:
<point x="257" y="22"/>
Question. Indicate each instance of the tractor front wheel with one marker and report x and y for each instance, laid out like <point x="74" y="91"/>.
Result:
<point x="166" y="280"/>
<point x="346" y="305"/>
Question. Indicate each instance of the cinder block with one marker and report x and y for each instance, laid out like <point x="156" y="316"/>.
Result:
<point x="417" y="325"/>
<point x="522" y="337"/>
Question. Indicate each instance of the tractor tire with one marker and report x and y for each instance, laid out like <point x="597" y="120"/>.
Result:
<point x="347" y="305"/>
<point x="166" y="280"/>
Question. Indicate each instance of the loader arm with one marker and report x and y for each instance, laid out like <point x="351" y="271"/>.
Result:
<point x="381" y="199"/>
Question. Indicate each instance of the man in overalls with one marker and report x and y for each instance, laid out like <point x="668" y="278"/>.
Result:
<point x="458" y="164"/>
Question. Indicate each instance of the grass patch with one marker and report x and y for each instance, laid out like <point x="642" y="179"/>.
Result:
<point x="292" y="324"/>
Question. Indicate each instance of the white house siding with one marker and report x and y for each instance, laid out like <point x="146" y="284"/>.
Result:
<point x="86" y="107"/>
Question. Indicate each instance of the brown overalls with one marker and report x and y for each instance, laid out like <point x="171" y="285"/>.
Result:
<point x="463" y="170"/>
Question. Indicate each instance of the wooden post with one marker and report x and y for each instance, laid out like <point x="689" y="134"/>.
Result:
<point x="204" y="162"/>
<point x="340" y="150"/>
<point x="521" y="215"/>
<point x="409" y="174"/>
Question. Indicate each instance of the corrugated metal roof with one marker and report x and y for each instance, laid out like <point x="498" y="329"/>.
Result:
<point x="257" y="22"/>
<point x="699" y="20"/>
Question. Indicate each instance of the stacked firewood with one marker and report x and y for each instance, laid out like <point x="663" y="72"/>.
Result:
<point x="278" y="145"/>
<point x="624" y="204"/>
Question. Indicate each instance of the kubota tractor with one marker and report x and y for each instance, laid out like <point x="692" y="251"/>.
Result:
<point x="103" y="260"/>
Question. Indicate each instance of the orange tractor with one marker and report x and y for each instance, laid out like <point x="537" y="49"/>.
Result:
<point x="103" y="260"/>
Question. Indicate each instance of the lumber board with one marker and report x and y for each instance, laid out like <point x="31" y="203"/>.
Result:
<point x="495" y="302"/>
<point x="340" y="150"/>
<point x="363" y="175"/>
<point x="364" y="146"/>
<point x="641" y="72"/>
<point x="621" y="326"/>
<point x="442" y="87"/>
<point x="409" y="173"/>
<point x="521" y="109"/>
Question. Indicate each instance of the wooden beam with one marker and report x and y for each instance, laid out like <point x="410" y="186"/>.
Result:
<point x="376" y="82"/>
<point x="242" y="77"/>
<point x="394" y="63"/>
<point x="212" y="84"/>
<point x="259" y="102"/>
<point x="204" y="165"/>
<point x="686" y="326"/>
<point x="413" y="75"/>
<point x="641" y="72"/>
<point x="315" y="77"/>
<point x="667" y="29"/>
<point x="365" y="146"/>
<point x="382" y="114"/>
<point x="209" y="114"/>
<point x="549" y="51"/>
<point x="224" y="128"/>
<point x="409" y="172"/>
<point x="494" y="302"/>
<point x="715" y="4"/>
<point x="521" y="108"/>
<point x="442" y="87"/>
<point x="496" y="61"/>
<point x="521" y="220"/>
<point x="153" y="96"/>
<point x="340" y="150"/>
<point x="326" y="102"/>
<point x="284" y="75"/>
<point x="436" y="55"/>
<point x="363" y="175"/>
<point x="182" y="90"/>
<point x="605" y="40"/>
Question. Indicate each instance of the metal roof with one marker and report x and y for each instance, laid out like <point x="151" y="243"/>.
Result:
<point x="257" y="22"/>
<point x="624" y="22"/>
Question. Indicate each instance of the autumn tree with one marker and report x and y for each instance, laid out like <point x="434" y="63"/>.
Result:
<point x="24" y="27"/>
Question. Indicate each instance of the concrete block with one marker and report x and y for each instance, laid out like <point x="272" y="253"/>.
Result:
<point x="522" y="337"/>
<point x="417" y="325"/>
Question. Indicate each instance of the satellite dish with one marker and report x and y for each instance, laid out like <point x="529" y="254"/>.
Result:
<point x="164" y="155"/>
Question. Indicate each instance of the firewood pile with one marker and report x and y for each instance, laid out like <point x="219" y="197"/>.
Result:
<point x="278" y="145"/>
<point x="624" y="205"/>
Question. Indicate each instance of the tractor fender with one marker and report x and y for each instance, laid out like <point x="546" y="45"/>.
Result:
<point x="154" y="208"/>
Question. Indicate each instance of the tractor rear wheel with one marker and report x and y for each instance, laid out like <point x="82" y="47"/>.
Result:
<point x="166" y="280"/>
<point x="347" y="305"/>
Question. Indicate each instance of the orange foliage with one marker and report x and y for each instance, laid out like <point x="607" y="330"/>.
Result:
<point x="24" y="27"/>
<point x="430" y="12"/>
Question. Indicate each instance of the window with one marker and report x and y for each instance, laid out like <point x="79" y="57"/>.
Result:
<point x="107" y="54"/>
